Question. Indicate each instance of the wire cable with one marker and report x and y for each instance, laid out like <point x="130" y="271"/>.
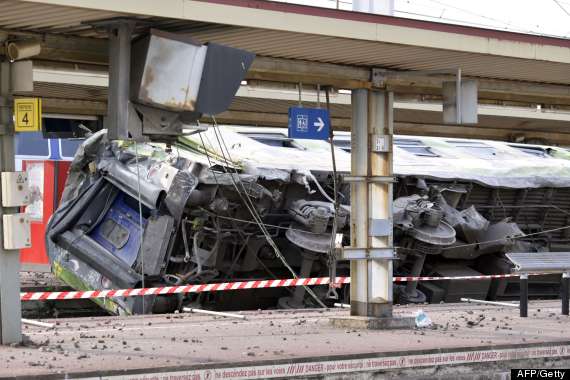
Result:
<point x="266" y="224"/>
<point x="507" y="238"/>
<point x="141" y="228"/>
<point x="479" y="15"/>
<point x="527" y="206"/>
<point x="464" y="22"/>
<point x="331" y="257"/>
<point x="208" y="158"/>
<point x="445" y="248"/>
<point x="251" y="208"/>
<point x="561" y="7"/>
<point x="247" y="201"/>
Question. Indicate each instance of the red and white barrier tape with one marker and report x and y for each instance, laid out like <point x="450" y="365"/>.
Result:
<point x="481" y="277"/>
<point x="111" y="293"/>
<point x="32" y="296"/>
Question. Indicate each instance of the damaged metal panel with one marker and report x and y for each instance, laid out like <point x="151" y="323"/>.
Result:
<point x="167" y="70"/>
<point x="86" y="249"/>
<point x="155" y="246"/>
<point x="175" y="73"/>
<point x="127" y="181"/>
<point x="224" y="69"/>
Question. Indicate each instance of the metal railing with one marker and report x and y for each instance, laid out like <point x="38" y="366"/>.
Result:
<point x="553" y="262"/>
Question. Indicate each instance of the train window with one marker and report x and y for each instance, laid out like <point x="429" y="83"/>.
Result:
<point x="274" y="139"/>
<point x="532" y="150"/>
<point x="32" y="144"/>
<point x="67" y="148"/>
<point x="55" y="127"/>
<point x="114" y="233"/>
<point x="416" y="147"/>
<point x="476" y="148"/>
<point x="343" y="144"/>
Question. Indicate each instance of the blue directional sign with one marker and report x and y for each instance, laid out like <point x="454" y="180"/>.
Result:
<point x="309" y="123"/>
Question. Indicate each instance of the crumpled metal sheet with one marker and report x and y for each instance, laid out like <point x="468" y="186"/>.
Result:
<point x="255" y="157"/>
<point x="97" y="153"/>
<point x="509" y="168"/>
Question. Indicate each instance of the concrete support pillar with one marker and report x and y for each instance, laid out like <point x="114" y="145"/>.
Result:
<point x="10" y="305"/>
<point x="371" y="203"/>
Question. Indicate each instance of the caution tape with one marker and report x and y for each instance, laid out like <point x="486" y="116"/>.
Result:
<point x="481" y="277"/>
<point x="223" y="286"/>
<point x="166" y="290"/>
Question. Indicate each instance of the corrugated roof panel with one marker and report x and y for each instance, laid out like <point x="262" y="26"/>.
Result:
<point x="27" y="16"/>
<point x="68" y="91"/>
<point x="80" y="99"/>
<point x="367" y="53"/>
<point x="35" y="17"/>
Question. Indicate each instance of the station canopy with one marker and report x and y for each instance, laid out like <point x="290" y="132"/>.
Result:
<point x="524" y="80"/>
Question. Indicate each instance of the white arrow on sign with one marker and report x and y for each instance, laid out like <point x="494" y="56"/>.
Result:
<point x="319" y="124"/>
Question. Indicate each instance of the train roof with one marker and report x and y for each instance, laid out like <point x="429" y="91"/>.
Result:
<point x="270" y="153"/>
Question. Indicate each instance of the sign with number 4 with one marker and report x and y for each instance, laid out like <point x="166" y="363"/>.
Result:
<point x="28" y="114"/>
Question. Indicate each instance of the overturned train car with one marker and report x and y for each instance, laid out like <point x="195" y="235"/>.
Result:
<point x="230" y="204"/>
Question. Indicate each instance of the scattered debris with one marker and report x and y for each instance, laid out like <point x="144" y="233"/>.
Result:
<point x="215" y="313"/>
<point x="422" y="319"/>
<point x="475" y="323"/>
<point x="37" y="323"/>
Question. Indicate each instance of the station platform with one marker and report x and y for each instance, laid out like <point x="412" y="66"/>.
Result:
<point x="39" y="281"/>
<point x="466" y="341"/>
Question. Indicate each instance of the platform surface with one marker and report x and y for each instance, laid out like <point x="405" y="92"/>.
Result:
<point x="39" y="281"/>
<point x="93" y="347"/>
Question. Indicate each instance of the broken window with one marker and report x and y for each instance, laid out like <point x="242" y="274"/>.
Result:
<point x="274" y="139"/>
<point x="114" y="233"/>
<point x="533" y="150"/>
<point x="475" y="148"/>
<point x="416" y="147"/>
<point x="343" y="144"/>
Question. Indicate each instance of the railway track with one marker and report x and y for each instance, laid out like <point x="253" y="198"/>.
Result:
<point x="45" y="281"/>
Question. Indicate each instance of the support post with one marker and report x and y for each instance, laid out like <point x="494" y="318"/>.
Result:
<point x="565" y="292"/>
<point x="371" y="279"/>
<point x="119" y="79"/>
<point x="10" y="304"/>
<point x="524" y="295"/>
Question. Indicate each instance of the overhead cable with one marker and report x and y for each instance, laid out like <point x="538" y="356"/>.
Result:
<point x="251" y="208"/>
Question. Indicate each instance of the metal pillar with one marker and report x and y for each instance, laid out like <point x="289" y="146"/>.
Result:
<point x="119" y="79"/>
<point x="565" y="292"/>
<point x="371" y="203"/>
<point x="10" y="305"/>
<point x="524" y="295"/>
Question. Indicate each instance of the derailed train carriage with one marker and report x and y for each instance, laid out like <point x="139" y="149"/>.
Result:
<point x="235" y="205"/>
